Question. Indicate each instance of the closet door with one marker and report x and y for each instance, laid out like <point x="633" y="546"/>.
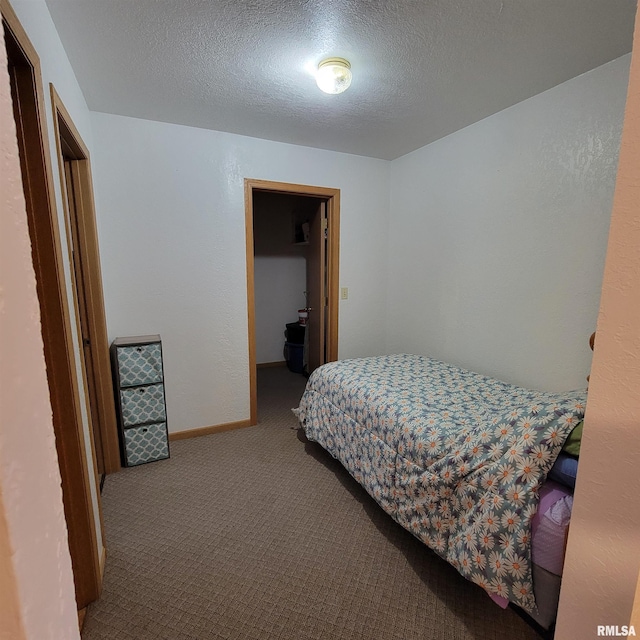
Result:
<point x="316" y="288"/>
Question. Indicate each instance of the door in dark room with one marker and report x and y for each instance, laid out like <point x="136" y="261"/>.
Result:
<point x="316" y="289"/>
<point x="322" y="274"/>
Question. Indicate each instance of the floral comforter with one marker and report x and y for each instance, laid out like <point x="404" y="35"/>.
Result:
<point x="453" y="456"/>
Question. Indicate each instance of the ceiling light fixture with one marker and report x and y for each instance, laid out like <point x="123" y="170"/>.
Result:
<point x="334" y="75"/>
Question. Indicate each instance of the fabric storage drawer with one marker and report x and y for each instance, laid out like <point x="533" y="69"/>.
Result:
<point x="138" y="377"/>
<point x="140" y="364"/>
<point x="143" y="404"/>
<point x="146" y="443"/>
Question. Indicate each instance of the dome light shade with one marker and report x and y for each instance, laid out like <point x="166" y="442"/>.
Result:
<point x="333" y="75"/>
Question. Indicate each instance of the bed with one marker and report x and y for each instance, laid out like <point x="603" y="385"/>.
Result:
<point x="458" y="459"/>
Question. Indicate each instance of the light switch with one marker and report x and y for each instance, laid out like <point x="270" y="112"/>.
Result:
<point x="344" y="293"/>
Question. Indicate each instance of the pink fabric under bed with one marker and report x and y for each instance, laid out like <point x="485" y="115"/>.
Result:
<point x="548" y="530"/>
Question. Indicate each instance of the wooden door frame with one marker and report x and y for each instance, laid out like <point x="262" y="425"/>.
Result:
<point x="100" y="377"/>
<point x="59" y="351"/>
<point x="332" y="198"/>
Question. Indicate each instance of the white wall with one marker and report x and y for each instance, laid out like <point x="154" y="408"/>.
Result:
<point x="170" y="207"/>
<point x="280" y="282"/>
<point x="498" y="235"/>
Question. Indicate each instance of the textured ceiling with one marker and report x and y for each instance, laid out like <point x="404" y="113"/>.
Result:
<point x="422" y="68"/>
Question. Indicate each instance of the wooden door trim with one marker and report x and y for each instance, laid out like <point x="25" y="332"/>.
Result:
<point x="59" y="351"/>
<point x="332" y="197"/>
<point x="66" y="131"/>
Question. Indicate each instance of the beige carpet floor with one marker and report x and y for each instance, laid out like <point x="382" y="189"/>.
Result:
<point x="258" y="533"/>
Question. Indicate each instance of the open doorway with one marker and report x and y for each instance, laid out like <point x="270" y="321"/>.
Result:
<point x="86" y="278"/>
<point x="282" y="226"/>
<point x="293" y="238"/>
<point x="76" y="467"/>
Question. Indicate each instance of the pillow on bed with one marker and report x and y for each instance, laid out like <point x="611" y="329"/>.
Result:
<point x="565" y="470"/>
<point x="572" y="443"/>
